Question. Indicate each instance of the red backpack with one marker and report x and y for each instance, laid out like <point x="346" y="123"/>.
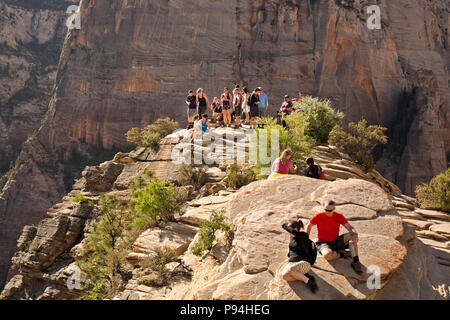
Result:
<point x="321" y="173"/>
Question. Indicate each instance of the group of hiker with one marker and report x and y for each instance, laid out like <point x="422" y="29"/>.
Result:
<point x="303" y="251"/>
<point x="332" y="246"/>
<point x="238" y="107"/>
<point x="245" y="107"/>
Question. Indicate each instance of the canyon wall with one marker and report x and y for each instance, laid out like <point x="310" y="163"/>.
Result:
<point x="133" y="61"/>
<point x="31" y="38"/>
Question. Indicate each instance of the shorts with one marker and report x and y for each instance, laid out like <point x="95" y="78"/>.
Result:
<point x="302" y="266"/>
<point x="191" y="112"/>
<point x="225" y="107"/>
<point x="254" y="112"/>
<point x="276" y="175"/>
<point x="238" y="111"/>
<point x="336" y="245"/>
<point x="201" y="110"/>
<point x="262" y="112"/>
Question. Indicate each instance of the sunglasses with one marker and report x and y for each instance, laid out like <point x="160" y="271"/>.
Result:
<point x="327" y="210"/>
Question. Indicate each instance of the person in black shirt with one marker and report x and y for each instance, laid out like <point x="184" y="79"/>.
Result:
<point x="191" y="102"/>
<point x="312" y="171"/>
<point x="302" y="255"/>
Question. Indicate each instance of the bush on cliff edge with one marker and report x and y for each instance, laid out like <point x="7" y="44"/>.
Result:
<point x="358" y="140"/>
<point x="151" y="135"/>
<point x="436" y="194"/>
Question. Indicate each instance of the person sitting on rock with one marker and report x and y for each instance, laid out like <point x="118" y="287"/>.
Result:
<point x="330" y="245"/>
<point x="302" y="255"/>
<point x="216" y="110"/>
<point x="196" y="132"/>
<point x="312" y="171"/>
<point x="283" y="165"/>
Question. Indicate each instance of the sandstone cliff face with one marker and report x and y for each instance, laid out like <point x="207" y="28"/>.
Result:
<point x="409" y="245"/>
<point x="134" y="61"/>
<point x="31" y="39"/>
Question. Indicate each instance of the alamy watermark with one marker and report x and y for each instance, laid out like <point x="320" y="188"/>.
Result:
<point x="74" y="20"/>
<point x="374" y="21"/>
<point x="237" y="146"/>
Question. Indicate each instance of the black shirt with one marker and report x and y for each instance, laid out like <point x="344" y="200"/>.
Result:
<point x="192" y="100"/>
<point x="301" y="248"/>
<point x="313" y="172"/>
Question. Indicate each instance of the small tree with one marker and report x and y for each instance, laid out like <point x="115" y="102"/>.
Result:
<point x="208" y="231"/>
<point x="155" y="204"/>
<point x="436" y="194"/>
<point x="103" y="260"/>
<point x="151" y="135"/>
<point x="358" y="140"/>
<point x="320" y="117"/>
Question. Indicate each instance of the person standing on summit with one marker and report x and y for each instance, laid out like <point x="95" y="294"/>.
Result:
<point x="202" y="102"/>
<point x="264" y="105"/>
<point x="330" y="244"/>
<point x="191" y="102"/>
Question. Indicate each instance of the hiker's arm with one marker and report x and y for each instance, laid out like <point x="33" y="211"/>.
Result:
<point x="294" y="232"/>
<point x="309" y="228"/>
<point x="350" y="229"/>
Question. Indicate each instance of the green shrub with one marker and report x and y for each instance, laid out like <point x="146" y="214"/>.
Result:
<point x="320" y="117"/>
<point x="435" y="195"/>
<point x="151" y="135"/>
<point x="103" y="259"/>
<point x="141" y="181"/>
<point x="155" y="204"/>
<point x="208" y="231"/>
<point x="158" y="263"/>
<point x="79" y="198"/>
<point x="358" y="140"/>
<point x="292" y="138"/>
<point x="239" y="177"/>
<point x="192" y="176"/>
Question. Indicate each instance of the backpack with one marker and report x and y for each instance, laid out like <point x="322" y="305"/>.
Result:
<point x="321" y="173"/>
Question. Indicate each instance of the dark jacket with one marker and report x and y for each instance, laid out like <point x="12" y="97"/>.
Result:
<point x="301" y="248"/>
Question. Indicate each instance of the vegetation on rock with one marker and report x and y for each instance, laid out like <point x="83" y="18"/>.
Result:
<point x="208" y="231"/>
<point x="292" y="137"/>
<point x="190" y="175"/>
<point x="112" y="235"/>
<point x="436" y="194"/>
<point x="155" y="204"/>
<point x="103" y="261"/>
<point x="239" y="176"/>
<point x="358" y="140"/>
<point x="319" y="117"/>
<point x="158" y="264"/>
<point x="151" y="135"/>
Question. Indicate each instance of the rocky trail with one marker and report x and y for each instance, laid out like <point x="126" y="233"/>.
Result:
<point x="408" y="245"/>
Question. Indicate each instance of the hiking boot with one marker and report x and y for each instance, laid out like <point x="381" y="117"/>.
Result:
<point x="312" y="285"/>
<point x="356" y="265"/>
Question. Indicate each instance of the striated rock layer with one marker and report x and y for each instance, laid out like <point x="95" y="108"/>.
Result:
<point x="133" y="61"/>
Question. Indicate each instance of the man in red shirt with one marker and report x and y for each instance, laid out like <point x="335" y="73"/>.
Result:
<point x="330" y="244"/>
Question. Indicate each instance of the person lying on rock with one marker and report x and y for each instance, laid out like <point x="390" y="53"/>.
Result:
<point x="330" y="245"/>
<point x="302" y="255"/>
